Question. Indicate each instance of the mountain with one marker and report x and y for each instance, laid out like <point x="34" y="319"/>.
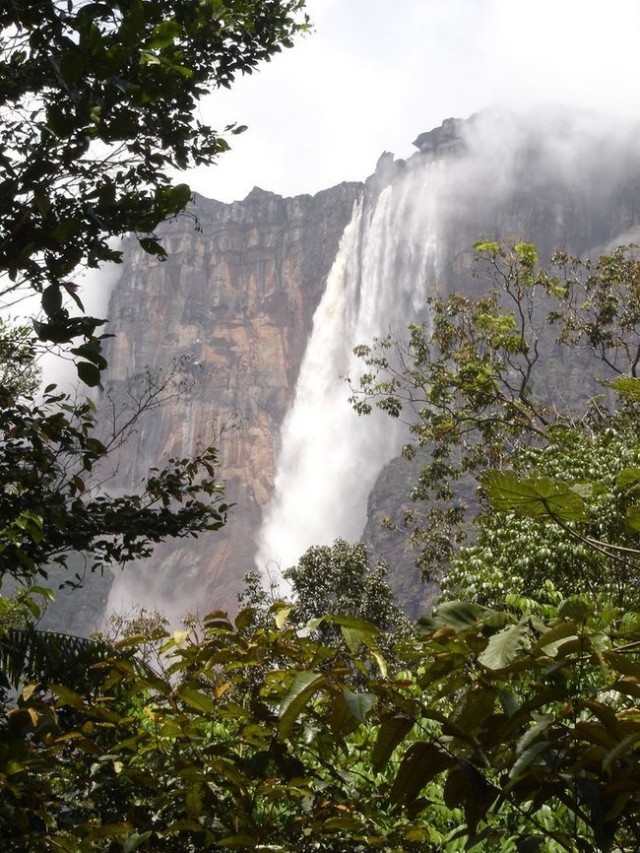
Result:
<point x="236" y="297"/>
<point x="235" y="303"/>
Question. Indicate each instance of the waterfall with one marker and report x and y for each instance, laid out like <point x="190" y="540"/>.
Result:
<point x="330" y="458"/>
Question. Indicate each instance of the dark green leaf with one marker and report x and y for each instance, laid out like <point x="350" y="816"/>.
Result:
<point x="88" y="373"/>
<point x="391" y="732"/>
<point x="304" y="685"/>
<point x="421" y="763"/>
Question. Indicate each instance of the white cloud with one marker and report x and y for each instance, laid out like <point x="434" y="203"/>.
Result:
<point x="374" y="75"/>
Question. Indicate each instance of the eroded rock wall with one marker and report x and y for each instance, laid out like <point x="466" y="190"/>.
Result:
<point x="236" y="295"/>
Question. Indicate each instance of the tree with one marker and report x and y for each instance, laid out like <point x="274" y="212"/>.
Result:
<point x="97" y="112"/>
<point x="335" y="579"/>
<point x="49" y="510"/>
<point x="50" y="502"/>
<point x="508" y="732"/>
<point x="19" y="372"/>
<point x="339" y="579"/>
<point x="51" y="506"/>
<point x="586" y="475"/>
<point x="474" y="385"/>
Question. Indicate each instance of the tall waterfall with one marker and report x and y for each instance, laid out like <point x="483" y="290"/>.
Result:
<point x="330" y="458"/>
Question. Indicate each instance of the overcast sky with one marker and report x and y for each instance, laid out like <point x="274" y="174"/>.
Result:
<point x="374" y="74"/>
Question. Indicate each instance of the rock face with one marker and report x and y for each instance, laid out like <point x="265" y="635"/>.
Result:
<point x="238" y="291"/>
<point x="448" y="137"/>
<point x="236" y="296"/>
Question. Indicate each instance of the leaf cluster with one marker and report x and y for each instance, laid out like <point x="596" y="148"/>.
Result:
<point x="48" y="508"/>
<point x="564" y="513"/>
<point x="483" y="380"/>
<point x="98" y="108"/>
<point x="503" y="732"/>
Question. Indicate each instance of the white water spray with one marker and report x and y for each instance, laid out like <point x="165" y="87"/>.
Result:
<point x="330" y="458"/>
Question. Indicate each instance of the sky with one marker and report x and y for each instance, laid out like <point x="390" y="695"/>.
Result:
<point x="374" y="74"/>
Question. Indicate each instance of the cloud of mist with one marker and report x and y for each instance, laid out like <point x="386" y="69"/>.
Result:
<point x="521" y="175"/>
<point x="371" y="78"/>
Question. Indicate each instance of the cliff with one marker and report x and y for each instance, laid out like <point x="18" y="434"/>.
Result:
<point x="236" y="296"/>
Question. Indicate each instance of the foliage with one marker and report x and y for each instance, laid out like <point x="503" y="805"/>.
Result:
<point x="333" y="579"/>
<point x="49" y="510"/>
<point x="583" y="480"/>
<point x="200" y="758"/>
<point x="474" y="386"/>
<point x="51" y="505"/>
<point x="504" y="733"/>
<point x="541" y="743"/>
<point x="98" y="109"/>
<point x="19" y="373"/>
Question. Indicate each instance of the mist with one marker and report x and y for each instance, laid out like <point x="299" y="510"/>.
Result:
<point x="512" y="175"/>
<point x="368" y="79"/>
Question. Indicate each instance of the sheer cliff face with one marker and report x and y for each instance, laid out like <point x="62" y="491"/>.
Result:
<point x="236" y="296"/>
<point x="238" y="292"/>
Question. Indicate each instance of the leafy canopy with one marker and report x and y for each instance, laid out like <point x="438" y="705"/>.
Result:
<point x="483" y="382"/>
<point x="503" y="732"/>
<point x="51" y="501"/>
<point x="97" y="112"/>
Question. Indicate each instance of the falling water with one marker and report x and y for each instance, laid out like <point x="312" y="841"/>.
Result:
<point x="330" y="458"/>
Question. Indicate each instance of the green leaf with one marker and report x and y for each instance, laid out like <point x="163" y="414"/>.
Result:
<point x="549" y="642"/>
<point x="391" y="733"/>
<point x="66" y="229"/>
<point x="133" y="841"/>
<point x="530" y="746"/>
<point x="193" y="801"/>
<point x="354" y="638"/>
<point x="626" y="386"/>
<point x="359" y="704"/>
<point x="197" y="700"/>
<point x="281" y="615"/>
<point x="458" y="615"/>
<point x="577" y="608"/>
<point x="66" y="696"/>
<point x="354" y="622"/>
<point x="304" y="685"/>
<point x="632" y="518"/>
<point x="533" y="497"/>
<point x="421" y="763"/>
<point x="628" y="477"/>
<point x="341" y="719"/>
<point x="621" y="749"/>
<point x="503" y="647"/>
<point x="164" y="34"/>
<point x="44" y="591"/>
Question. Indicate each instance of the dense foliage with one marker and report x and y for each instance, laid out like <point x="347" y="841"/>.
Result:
<point x="505" y="733"/>
<point x="508" y="722"/>
<point x="334" y="578"/>
<point x="51" y="505"/>
<point x="478" y="394"/>
<point x="590" y="548"/>
<point x="505" y="723"/>
<point x="98" y="110"/>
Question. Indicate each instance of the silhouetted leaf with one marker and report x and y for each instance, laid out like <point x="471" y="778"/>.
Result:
<point x="421" y="763"/>
<point x="88" y="373"/>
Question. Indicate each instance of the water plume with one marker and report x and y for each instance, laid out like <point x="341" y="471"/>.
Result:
<point x="386" y="264"/>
